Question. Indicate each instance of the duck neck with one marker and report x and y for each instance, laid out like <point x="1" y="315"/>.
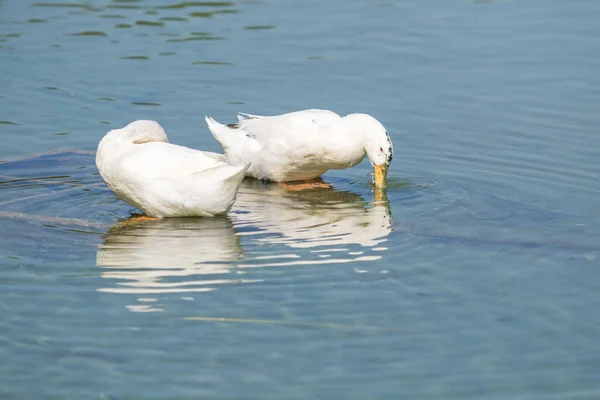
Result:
<point x="352" y="144"/>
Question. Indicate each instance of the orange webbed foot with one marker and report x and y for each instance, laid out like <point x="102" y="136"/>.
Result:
<point x="137" y="219"/>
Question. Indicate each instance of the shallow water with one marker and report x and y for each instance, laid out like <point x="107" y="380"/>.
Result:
<point x="477" y="278"/>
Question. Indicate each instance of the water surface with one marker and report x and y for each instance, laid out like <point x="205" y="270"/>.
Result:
<point x="477" y="278"/>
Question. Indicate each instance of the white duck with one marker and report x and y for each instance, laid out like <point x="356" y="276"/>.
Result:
<point x="139" y="164"/>
<point x="302" y="145"/>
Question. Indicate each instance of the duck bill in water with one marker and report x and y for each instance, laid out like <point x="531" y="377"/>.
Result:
<point x="380" y="175"/>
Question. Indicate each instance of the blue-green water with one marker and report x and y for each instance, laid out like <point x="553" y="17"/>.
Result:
<point x="480" y="277"/>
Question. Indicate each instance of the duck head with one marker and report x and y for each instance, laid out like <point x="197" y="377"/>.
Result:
<point x="377" y="144"/>
<point x="140" y="131"/>
<point x="118" y="141"/>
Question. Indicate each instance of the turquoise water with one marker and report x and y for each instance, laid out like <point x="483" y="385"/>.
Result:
<point x="478" y="278"/>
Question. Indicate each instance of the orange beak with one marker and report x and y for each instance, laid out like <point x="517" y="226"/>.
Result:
<point x="380" y="175"/>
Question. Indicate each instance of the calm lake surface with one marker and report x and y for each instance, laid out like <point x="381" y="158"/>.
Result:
<point x="479" y="278"/>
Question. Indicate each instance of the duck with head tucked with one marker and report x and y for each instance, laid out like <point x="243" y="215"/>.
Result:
<point x="302" y="145"/>
<point x="142" y="168"/>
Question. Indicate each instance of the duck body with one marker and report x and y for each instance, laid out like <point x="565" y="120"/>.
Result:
<point x="165" y="180"/>
<point x="300" y="145"/>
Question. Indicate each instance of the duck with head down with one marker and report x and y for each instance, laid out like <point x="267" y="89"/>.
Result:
<point x="142" y="168"/>
<point x="302" y="145"/>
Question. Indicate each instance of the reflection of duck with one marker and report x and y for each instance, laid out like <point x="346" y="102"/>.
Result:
<point x="144" y="253"/>
<point x="310" y="218"/>
<point x="323" y="226"/>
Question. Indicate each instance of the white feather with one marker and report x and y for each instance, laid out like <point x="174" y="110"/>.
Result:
<point x="166" y="180"/>
<point x="302" y="145"/>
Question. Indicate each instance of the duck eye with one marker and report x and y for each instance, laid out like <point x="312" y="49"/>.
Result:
<point x="381" y="149"/>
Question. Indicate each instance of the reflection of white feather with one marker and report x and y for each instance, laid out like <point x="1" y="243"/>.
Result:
<point x="311" y="219"/>
<point x="322" y="226"/>
<point x="144" y="253"/>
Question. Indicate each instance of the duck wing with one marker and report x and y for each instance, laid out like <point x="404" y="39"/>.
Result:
<point x="169" y="180"/>
<point x="165" y="161"/>
<point x="291" y="129"/>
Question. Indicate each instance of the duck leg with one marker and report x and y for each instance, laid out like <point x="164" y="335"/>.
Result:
<point x="142" y="218"/>
<point x="305" y="185"/>
<point x="138" y="218"/>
